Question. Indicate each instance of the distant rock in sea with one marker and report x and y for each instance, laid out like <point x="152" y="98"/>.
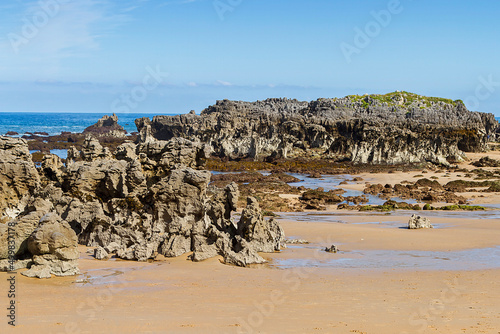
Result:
<point x="106" y="126"/>
<point x="396" y="128"/>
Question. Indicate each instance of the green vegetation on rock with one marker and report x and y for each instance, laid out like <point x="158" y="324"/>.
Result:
<point x="403" y="100"/>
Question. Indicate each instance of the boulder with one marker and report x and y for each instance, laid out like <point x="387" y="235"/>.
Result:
<point x="17" y="231"/>
<point x="52" y="168"/>
<point x="54" y="248"/>
<point x="332" y="249"/>
<point x="417" y="222"/>
<point x="100" y="254"/>
<point x="126" y="151"/>
<point x="263" y="235"/>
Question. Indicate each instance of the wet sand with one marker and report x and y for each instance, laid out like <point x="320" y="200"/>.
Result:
<point x="178" y="296"/>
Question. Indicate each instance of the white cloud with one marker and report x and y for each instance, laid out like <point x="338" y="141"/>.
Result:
<point x="223" y="83"/>
<point x="43" y="37"/>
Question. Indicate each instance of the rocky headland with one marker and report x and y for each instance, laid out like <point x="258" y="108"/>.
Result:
<point x="396" y="128"/>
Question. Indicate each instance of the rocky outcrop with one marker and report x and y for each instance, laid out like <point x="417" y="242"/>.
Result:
<point x="151" y="198"/>
<point x="238" y="243"/>
<point x="381" y="129"/>
<point x="93" y="150"/>
<point x="418" y="222"/>
<point x="486" y="162"/>
<point x="106" y="126"/>
<point x="154" y="200"/>
<point x="263" y="235"/>
<point x="18" y="176"/>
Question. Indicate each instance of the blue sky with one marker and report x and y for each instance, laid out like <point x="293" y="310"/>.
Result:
<point x="171" y="56"/>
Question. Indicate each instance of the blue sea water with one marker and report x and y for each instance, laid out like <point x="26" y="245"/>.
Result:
<point x="55" y="123"/>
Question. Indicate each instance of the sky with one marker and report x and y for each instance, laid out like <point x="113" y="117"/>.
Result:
<point x="173" y="56"/>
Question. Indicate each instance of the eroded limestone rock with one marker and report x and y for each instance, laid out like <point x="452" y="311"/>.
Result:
<point x="151" y="199"/>
<point x="417" y="222"/>
<point x="54" y="248"/>
<point x="18" y="176"/>
<point x="359" y="129"/>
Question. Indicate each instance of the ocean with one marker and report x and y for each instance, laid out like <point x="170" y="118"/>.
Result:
<point x="55" y="123"/>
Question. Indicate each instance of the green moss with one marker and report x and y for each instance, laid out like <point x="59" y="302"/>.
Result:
<point x="409" y="99"/>
<point x="383" y="208"/>
<point x="462" y="207"/>
<point x="455" y="207"/>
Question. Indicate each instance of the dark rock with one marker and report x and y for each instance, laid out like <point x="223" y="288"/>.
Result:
<point x="371" y="129"/>
<point x="106" y="126"/>
<point x="486" y="162"/>
<point x="332" y="249"/>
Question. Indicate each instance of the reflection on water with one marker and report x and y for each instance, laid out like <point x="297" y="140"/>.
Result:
<point x="100" y="276"/>
<point x="472" y="259"/>
<point x="331" y="182"/>
<point x="320" y="216"/>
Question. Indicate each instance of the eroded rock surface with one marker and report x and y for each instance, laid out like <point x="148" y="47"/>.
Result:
<point x="18" y="176"/>
<point x="151" y="198"/>
<point x="54" y="247"/>
<point x="380" y="129"/>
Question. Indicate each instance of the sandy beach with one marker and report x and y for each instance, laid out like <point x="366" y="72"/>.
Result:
<point x="178" y="296"/>
<point x="384" y="279"/>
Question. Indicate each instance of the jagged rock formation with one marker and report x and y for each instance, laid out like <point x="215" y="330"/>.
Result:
<point x="150" y="198"/>
<point x="417" y="222"/>
<point x="381" y="129"/>
<point x="106" y="126"/>
<point x="18" y="176"/>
